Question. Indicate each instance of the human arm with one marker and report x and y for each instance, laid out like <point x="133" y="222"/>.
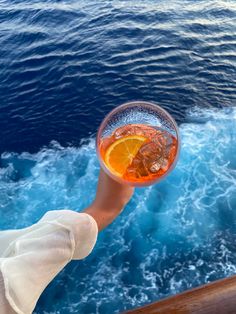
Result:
<point x="32" y="257"/>
<point x="111" y="197"/>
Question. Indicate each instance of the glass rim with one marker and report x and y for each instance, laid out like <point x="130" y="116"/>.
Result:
<point x="106" y="119"/>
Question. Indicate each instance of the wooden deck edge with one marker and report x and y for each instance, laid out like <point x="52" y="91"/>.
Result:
<point x="218" y="297"/>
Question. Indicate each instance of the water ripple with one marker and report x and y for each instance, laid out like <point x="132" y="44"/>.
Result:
<point x="92" y="57"/>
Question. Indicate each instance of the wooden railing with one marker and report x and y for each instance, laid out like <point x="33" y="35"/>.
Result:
<point x="218" y="297"/>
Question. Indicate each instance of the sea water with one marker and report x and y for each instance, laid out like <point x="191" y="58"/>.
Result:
<point x="172" y="236"/>
<point x="64" y="65"/>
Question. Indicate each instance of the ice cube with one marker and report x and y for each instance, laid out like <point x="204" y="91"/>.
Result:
<point x="155" y="167"/>
<point x="150" y="152"/>
<point x="164" y="164"/>
<point x="137" y="168"/>
<point x="139" y="130"/>
<point x="142" y="170"/>
<point x="130" y="171"/>
<point x="145" y="149"/>
<point x="125" y="130"/>
<point x="136" y="161"/>
<point x="149" y="132"/>
<point x="135" y="129"/>
<point x="159" y="140"/>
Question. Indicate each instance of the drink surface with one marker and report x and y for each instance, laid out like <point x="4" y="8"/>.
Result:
<point x="138" y="153"/>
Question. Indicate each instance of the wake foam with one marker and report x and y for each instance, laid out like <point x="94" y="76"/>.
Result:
<point x="172" y="236"/>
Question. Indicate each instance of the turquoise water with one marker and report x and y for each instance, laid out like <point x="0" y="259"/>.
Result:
<point x="172" y="236"/>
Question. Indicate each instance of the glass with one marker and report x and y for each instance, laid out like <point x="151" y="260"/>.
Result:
<point x="138" y="143"/>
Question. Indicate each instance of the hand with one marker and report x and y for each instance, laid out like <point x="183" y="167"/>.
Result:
<point x="111" y="197"/>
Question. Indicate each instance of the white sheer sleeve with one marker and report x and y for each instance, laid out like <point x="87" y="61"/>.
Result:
<point x="4" y="304"/>
<point x="30" y="258"/>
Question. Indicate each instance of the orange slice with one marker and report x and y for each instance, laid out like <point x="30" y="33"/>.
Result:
<point x="122" y="152"/>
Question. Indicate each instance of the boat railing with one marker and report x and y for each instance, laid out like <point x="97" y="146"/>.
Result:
<point x="218" y="297"/>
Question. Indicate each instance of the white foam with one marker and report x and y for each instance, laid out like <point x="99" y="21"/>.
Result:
<point x="172" y="236"/>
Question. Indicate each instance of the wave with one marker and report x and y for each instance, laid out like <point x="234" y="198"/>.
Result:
<point x="172" y="236"/>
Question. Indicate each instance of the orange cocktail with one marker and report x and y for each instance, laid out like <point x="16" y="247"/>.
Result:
<point x="138" y="153"/>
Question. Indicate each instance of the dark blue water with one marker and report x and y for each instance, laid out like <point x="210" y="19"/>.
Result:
<point x="63" y="66"/>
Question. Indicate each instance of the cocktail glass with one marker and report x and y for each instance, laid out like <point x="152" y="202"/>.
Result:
<point x="138" y="143"/>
